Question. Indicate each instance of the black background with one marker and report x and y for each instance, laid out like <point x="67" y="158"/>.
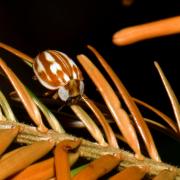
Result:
<point x="68" y="25"/>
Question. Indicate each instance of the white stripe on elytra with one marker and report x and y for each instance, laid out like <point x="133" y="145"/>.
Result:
<point x="66" y="77"/>
<point x="46" y="84"/>
<point x="74" y="75"/>
<point x="41" y="68"/>
<point x="72" y="64"/>
<point x="55" y="67"/>
<point x="70" y="61"/>
<point x="48" y="57"/>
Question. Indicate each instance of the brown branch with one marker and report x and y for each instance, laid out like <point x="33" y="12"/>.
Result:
<point x="87" y="149"/>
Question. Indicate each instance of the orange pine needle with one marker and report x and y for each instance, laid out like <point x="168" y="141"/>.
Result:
<point x="17" y="52"/>
<point x="113" y="103"/>
<point x="99" y="115"/>
<point x="38" y="171"/>
<point x="62" y="165"/>
<point x="162" y="128"/>
<point x="137" y="117"/>
<point x="43" y="169"/>
<point x="131" y="173"/>
<point x="145" y="31"/>
<point x="167" y="119"/>
<point x="10" y="153"/>
<point x="89" y="124"/>
<point x="23" y="158"/>
<point x="98" y="168"/>
<point x="171" y="94"/>
<point x="25" y="97"/>
<point x="6" y="137"/>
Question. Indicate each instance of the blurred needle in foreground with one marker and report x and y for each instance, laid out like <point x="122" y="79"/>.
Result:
<point x="145" y="31"/>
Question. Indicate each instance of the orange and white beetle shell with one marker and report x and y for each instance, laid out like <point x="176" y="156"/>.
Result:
<point x="55" y="70"/>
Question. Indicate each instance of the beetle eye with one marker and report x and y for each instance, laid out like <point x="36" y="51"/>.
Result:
<point x="81" y="87"/>
<point x="63" y="93"/>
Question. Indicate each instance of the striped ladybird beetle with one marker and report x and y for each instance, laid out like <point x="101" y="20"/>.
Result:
<point x="56" y="71"/>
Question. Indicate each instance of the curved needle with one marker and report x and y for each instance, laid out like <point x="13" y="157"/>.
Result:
<point x="7" y="136"/>
<point x="167" y="119"/>
<point x="111" y="138"/>
<point x="154" y="29"/>
<point x="24" y="157"/>
<point x="17" y="53"/>
<point x="52" y="120"/>
<point x="133" y="173"/>
<point x="98" y="168"/>
<point x="25" y="97"/>
<point x="162" y="128"/>
<point x="171" y="94"/>
<point x="89" y="124"/>
<point x="137" y="117"/>
<point x="112" y="101"/>
<point x="44" y="169"/>
<point x="6" y="108"/>
<point x="62" y="164"/>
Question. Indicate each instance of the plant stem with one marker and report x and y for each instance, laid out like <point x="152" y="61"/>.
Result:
<point x="29" y="134"/>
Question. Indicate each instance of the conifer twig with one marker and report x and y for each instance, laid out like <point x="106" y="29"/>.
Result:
<point x="29" y="134"/>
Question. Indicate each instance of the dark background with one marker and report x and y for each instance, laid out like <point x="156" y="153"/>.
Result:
<point x="69" y="25"/>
